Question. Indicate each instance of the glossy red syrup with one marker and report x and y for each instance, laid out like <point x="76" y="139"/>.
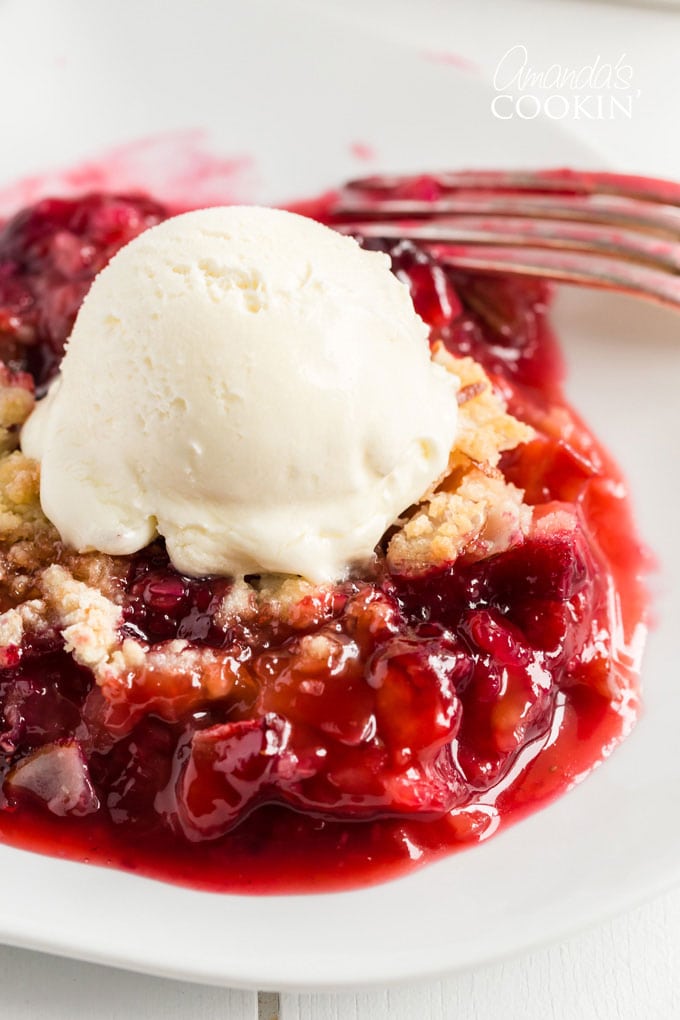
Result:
<point x="396" y="719"/>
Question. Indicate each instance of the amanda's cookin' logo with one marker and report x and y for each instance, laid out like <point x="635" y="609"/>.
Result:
<point x="601" y="90"/>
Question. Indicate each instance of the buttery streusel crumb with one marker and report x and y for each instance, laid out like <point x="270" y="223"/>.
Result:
<point x="89" y="622"/>
<point x="29" y="617"/>
<point x="97" y="570"/>
<point x="16" y="403"/>
<point x="485" y="429"/>
<point x="240" y="604"/>
<point x="128" y="657"/>
<point x="473" y="510"/>
<point x="485" y="515"/>
<point x="29" y="543"/>
<point x="292" y="600"/>
<point x="20" y="511"/>
<point x="11" y="628"/>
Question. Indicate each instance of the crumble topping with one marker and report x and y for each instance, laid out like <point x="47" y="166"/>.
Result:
<point x="292" y="601"/>
<point x="484" y="515"/>
<point x="473" y="512"/>
<point x="126" y="657"/>
<point x="16" y="403"/>
<point x="28" y="541"/>
<point x="485" y="429"/>
<point x="240" y="604"/>
<point x="22" y="522"/>
<point x="27" y="617"/>
<point x="88" y="621"/>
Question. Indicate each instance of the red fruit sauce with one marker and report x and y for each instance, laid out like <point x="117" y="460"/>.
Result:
<point x="425" y="712"/>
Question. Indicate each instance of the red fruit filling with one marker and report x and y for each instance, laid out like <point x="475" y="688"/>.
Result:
<point x="49" y="255"/>
<point x="380" y="723"/>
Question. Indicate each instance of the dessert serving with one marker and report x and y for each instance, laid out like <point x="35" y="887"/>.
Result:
<point x="308" y="573"/>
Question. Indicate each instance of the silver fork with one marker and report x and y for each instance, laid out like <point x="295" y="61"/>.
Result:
<point x="604" y="230"/>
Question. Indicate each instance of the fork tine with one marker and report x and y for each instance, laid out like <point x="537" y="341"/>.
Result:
<point x="562" y="267"/>
<point x="624" y="244"/>
<point x="556" y="224"/>
<point x="658" y="220"/>
<point x="575" y="182"/>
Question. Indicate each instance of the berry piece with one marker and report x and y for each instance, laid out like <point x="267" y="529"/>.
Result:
<point x="228" y="770"/>
<point x="56" y="775"/>
<point x="49" y="255"/>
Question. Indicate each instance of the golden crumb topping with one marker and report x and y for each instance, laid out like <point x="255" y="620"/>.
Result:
<point x="28" y="617"/>
<point x="291" y="601"/>
<point x="28" y="542"/>
<point x="473" y="510"/>
<point x="16" y="403"/>
<point x="485" y="429"/>
<point x="484" y="515"/>
<point x="239" y="604"/>
<point x="86" y="619"/>
<point x="20" y="513"/>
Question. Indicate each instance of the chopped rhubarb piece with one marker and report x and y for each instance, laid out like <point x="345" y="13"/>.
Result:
<point x="229" y="767"/>
<point x="57" y="775"/>
<point x="417" y="709"/>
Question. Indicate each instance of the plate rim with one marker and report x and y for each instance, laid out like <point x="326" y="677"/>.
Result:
<point x="339" y="974"/>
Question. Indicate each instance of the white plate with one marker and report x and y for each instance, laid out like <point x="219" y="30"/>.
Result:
<point x="296" y="93"/>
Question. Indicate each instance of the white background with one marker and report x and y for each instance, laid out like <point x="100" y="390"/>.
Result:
<point x="629" y="967"/>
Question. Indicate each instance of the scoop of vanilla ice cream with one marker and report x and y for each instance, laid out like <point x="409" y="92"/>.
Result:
<point x="250" y="385"/>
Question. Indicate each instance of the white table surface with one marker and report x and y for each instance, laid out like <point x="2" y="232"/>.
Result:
<point x="628" y="967"/>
